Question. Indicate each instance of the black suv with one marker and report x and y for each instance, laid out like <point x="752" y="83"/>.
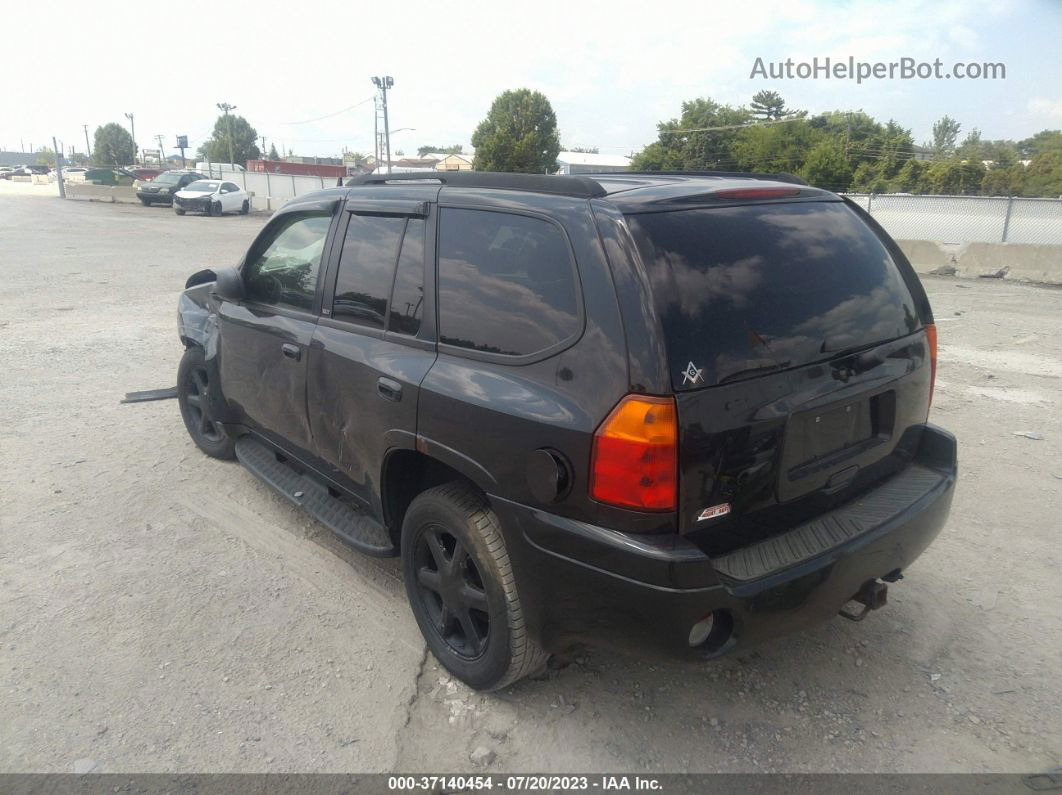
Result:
<point x="668" y="409"/>
<point x="161" y="188"/>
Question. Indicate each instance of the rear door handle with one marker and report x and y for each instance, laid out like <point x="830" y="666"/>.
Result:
<point x="291" y="351"/>
<point x="389" y="388"/>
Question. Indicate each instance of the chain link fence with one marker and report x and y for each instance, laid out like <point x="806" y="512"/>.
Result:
<point x="966" y="219"/>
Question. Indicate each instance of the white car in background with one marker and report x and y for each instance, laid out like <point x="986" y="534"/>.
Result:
<point x="212" y="197"/>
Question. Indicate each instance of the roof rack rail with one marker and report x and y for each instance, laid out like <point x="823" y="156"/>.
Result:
<point x="579" y="187"/>
<point x="780" y="177"/>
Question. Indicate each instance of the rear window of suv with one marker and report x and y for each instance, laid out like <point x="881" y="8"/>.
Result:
<point x="743" y="291"/>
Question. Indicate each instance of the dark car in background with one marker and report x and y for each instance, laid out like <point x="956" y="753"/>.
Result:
<point x="670" y="411"/>
<point x="160" y="190"/>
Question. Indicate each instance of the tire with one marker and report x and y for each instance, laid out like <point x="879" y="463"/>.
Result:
<point x="215" y="209"/>
<point x="178" y="210"/>
<point x="193" y="386"/>
<point x="144" y="202"/>
<point x="477" y="630"/>
<point x="246" y="208"/>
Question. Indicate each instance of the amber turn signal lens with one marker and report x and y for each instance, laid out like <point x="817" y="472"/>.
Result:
<point x="635" y="457"/>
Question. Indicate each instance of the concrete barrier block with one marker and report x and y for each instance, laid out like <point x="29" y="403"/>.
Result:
<point x="1020" y="261"/>
<point x="101" y="193"/>
<point x="1023" y="261"/>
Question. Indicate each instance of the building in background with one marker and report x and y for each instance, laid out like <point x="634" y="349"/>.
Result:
<point x="309" y="169"/>
<point x="450" y="162"/>
<point x="591" y="163"/>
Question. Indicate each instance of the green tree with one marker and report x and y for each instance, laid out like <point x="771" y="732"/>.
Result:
<point x="1043" y="141"/>
<point x="113" y="145"/>
<point x="1004" y="180"/>
<point x="769" y="105"/>
<point x="453" y="149"/>
<point x="972" y="147"/>
<point x="777" y="147"/>
<point x="685" y="144"/>
<point x="911" y="178"/>
<point x="589" y="150"/>
<point x="273" y="154"/>
<point x="46" y="156"/>
<point x="827" y="167"/>
<point x="1043" y="177"/>
<point x="244" y="139"/>
<point x="953" y="177"/>
<point x="945" y="133"/>
<point x="518" y="134"/>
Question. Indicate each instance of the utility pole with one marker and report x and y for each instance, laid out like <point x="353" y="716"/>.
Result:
<point x="264" y="148"/>
<point x="226" y="107"/>
<point x="88" y="146"/>
<point x="132" y="127"/>
<point x="59" y="167"/>
<point x="376" y="130"/>
<point x="162" y="150"/>
<point x="384" y="83"/>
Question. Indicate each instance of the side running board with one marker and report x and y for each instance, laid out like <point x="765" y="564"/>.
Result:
<point x="354" y="527"/>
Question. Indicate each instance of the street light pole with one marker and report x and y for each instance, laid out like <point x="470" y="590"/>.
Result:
<point x="226" y="107"/>
<point x="384" y="83"/>
<point x="132" y="128"/>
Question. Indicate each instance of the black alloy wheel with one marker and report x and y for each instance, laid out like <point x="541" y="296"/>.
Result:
<point x="451" y="589"/>
<point x="462" y="588"/>
<point x="194" y="393"/>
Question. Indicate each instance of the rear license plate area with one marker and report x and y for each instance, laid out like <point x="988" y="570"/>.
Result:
<point x="829" y="438"/>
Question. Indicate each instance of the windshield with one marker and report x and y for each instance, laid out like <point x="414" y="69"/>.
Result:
<point x="167" y="179"/>
<point x="202" y="186"/>
<point x="743" y="291"/>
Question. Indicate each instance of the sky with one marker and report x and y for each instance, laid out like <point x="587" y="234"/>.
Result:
<point x="611" y="70"/>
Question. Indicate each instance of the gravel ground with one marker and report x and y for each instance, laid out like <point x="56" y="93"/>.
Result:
<point x="161" y="611"/>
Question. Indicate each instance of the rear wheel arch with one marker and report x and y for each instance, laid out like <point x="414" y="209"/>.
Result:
<point x="408" y="473"/>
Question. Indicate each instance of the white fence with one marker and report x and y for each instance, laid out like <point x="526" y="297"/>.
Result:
<point x="272" y="190"/>
<point x="966" y="219"/>
<point x="948" y="219"/>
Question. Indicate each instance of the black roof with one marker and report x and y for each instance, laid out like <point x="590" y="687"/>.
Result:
<point x="637" y="188"/>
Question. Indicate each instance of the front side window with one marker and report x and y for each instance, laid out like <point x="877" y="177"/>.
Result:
<point x="284" y="272"/>
<point x="506" y="283"/>
<point x="366" y="269"/>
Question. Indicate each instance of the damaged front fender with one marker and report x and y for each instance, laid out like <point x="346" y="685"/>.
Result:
<point x="197" y="319"/>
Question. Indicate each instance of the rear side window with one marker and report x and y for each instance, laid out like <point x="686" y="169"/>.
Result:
<point x="407" y="297"/>
<point x="506" y="283"/>
<point x="366" y="269"/>
<point x="742" y="291"/>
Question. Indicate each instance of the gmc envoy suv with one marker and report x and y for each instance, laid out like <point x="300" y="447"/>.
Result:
<point x="680" y="411"/>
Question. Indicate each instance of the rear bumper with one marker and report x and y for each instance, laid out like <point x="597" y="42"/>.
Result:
<point x="581" y="582"/>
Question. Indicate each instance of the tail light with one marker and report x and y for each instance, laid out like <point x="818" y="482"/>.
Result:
<point x="931" y="338"/>
<point x="634" y="463"/>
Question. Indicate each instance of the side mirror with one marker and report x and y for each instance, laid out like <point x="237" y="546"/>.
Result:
<point x="229" y="285"/>
<point x="200" y="277"/>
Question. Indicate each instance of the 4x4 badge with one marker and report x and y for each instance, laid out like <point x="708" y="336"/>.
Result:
<point x="691" y="375"/>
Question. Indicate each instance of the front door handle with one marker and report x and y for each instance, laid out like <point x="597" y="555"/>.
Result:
<point x="389" y="388"/>
<point x="291" y="351"/>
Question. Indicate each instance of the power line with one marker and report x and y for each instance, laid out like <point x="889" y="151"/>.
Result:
<point x="330" y="115"/>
